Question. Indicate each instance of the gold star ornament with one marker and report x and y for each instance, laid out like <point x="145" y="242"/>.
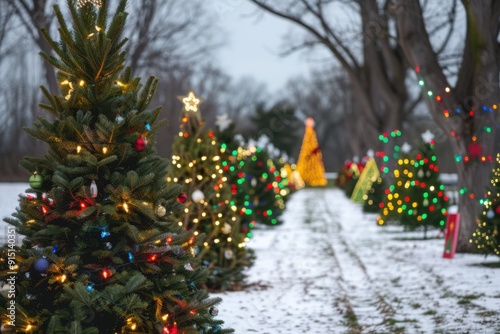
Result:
<point x="190" y="101"/>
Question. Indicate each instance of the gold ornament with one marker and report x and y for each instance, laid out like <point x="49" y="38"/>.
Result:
<point x="160" y="211"/>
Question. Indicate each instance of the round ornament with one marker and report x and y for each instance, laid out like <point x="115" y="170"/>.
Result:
<point x="197" y="196"/>
<point x="497" y="210"/>
<point x="36" y="181"/>
<point x="41" y="265"/>
<point x="420" y="173"/>
<point x="182" y="198"/>
<point x="214" y="311"/>
<point x="4" y="290"/>
<point x="309" y="122"/>
<point x="226" y="229"/>
<point x="140" y="144"/>
<point x="253" y="183"/>
<point x="490" y="214"/>
<point x="7" y="329"/>
<point x="228" y="254"/>
<point x="160" y="211"/>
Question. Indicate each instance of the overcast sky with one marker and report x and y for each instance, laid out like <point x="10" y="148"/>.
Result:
<point x="254" y="41"/>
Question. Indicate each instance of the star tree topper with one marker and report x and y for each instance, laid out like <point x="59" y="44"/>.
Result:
<point x="223" y="122"/>
<point x="190" y="102"/>
<point x="428" y="136"/>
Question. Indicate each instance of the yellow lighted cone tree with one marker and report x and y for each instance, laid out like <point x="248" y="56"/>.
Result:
<point x="310" y="164"/>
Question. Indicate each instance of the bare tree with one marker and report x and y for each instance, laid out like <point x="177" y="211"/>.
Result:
<point x="471" y="102"/>
<point x="170" y="39"/>
<point x="374" y="64"/>
<point x="34" y="15"/>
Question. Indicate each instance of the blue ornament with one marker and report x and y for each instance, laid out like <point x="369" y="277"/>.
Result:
<point x="216" y="329"/>
<point x="105" y="233"/>
<point x="148" y="126"/>
<point x="90" y="287"/>
<point x="54" y="249"/>
<point x="41" y="265"/>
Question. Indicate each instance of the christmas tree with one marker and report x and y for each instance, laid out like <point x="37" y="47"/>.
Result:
<point x="428" y="202"/>
<point x="486" y="239"/>
<point x="348" y="176"/>
<point x="99" y="253"/>
<point x="310" y="163"/>
<point x="210" y="210"/>
<point x="397" y="199"/>
<point x="257" y="184"/>
<point x="369" y="174"/>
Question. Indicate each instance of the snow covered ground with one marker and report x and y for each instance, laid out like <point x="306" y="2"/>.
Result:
<point x="329" y="269"/>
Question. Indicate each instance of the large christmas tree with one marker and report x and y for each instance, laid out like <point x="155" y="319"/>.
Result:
<point x="310" y="162"/>
<point x="486" y="239"/>
<point x="210" y="209"/>
<point x="99" y="253"/>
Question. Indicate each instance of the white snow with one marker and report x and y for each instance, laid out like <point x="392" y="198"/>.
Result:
<point x="329" y="269"/>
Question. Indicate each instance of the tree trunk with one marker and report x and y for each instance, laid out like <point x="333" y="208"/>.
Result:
<point x="477" y="88"/>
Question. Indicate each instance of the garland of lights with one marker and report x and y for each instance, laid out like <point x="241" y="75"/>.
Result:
<point x="474" y="149"/>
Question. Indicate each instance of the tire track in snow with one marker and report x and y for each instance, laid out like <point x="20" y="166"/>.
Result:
<point x="366" y="310"/>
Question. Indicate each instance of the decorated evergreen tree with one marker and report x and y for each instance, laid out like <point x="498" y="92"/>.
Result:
<point x="257" y="184"/>
<point x="369" y="174"/>
<point x="486" y="238"/>
<point x="428" y="202"/>
<point x="396" y="199"/>
<point x="210" y="209"/>
<point x="310" y="162"/>
<point x="100" y="254"/>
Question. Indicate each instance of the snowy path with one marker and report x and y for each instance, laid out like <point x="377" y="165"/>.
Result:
<point x="330" y="269"/>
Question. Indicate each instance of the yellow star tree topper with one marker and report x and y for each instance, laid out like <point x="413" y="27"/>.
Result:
<point x="190" y="101"/>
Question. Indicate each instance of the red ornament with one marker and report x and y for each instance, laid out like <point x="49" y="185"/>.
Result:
<point x="474" y="150"/>
<point x="182" y="198"/>
<point x="140" y="144"/>
<point x="497" y="210"/>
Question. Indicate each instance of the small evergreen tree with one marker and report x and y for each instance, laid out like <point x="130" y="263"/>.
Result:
<point x="396" y="199"/>
<point x="486" y="238"/>
<point x="210" y="209"/>
<point x="100" y="254"/>
<point x="258" y="188"/>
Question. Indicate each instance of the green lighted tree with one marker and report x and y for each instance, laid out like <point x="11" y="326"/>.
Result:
<point x="396" y="199"/>
<point x="100" y="254"/>
<point x="486" y="239"/>
<point x="428" y="202"/>
<point x="257" y="185"/>
<point x="210" y="210"/>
